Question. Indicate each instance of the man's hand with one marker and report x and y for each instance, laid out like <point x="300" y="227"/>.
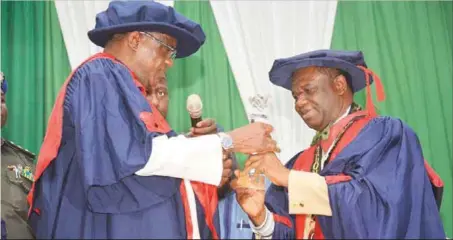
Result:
<point x="227" y="169"/>
<point x="251" y="201"/>
<point x="204" y="127"/>
<point x="269" y="165"/>
<point x="253" y="138"/>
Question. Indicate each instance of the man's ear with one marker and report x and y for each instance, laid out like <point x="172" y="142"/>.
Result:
<point x="133" y="39"/>
<point x="340" y="85"/>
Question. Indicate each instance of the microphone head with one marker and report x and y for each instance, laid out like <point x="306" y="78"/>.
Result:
<point x="194" y="106"/>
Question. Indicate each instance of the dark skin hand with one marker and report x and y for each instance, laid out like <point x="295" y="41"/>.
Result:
<point x="250" y="200"/>
<point x="208" y="126"/>
<point x="204" y="127"/>
<point x="227" y="170"/>
<point x="269" y="165"/>
<point x="253" y="138"/>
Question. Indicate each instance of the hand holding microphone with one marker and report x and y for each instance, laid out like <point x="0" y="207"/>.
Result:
<point x="249" y="139"/>
<point x="199" y="126"/>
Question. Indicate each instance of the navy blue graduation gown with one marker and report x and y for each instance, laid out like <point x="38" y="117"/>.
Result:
<point x="100" y="133"/>
<point x="3" y="230"/>
<point x="378" y="188"/>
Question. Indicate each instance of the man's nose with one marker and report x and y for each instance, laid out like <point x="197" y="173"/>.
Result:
<point x="153" y="99"/>
<point x="301" y="100"/>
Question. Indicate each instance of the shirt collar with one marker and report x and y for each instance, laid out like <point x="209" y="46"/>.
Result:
<point x="324" y="134"/>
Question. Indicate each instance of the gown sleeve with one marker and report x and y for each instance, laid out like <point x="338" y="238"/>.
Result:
<point x="390" y="195"/>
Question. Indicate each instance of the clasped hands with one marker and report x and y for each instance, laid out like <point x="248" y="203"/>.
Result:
<point x="264" y="162"/>
<point x="254" y="139"/>
<point x="261" y="148"/>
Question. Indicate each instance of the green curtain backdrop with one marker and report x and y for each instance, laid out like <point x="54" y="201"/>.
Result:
<point x="206" y="73"/>
<point x="35" y="63"/>
<point x="409" y="45"/>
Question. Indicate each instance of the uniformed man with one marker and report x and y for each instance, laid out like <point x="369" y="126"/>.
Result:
<point x="17" y="176"/>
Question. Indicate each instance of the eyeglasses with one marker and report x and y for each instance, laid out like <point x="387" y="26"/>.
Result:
<point x="171" y="49"/>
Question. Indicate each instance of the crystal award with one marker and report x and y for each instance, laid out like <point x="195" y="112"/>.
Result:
<point x="253" y="179"/>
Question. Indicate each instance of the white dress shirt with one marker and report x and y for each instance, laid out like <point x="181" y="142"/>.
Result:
<point x="192" y="159"/>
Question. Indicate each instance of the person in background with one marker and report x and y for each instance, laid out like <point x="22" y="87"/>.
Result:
<point x="110" y="166"/>
<point x="158" y="96"/>
<point x="364" y="176"/>
<point x="17" y="177"/>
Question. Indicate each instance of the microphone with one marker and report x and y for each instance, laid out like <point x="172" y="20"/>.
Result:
<point x="195" y="109"/>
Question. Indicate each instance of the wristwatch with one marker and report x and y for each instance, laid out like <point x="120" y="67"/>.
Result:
<point x="226" y="141"/>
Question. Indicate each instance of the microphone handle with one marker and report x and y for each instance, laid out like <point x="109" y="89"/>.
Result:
<point x="194" y="121"/>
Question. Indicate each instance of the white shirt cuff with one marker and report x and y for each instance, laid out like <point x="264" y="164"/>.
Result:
<point x="196" y="159"/>
<point x="266" y="229"/>
<point x="308" y="194"/>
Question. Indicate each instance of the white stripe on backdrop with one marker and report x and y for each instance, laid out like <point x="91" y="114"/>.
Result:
<point x="255" y="33"/>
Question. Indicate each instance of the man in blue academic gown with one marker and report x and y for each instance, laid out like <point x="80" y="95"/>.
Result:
<point x="364" y="176"/>
<point x="110" y="166"/>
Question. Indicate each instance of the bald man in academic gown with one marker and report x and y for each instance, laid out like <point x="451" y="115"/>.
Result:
<point x="363" y="177"/>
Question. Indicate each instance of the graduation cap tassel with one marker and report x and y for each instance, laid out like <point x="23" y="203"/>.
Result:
<point x="379" y="87"/>
<point x="369" y="99"/>
<point x="379" y="90"/>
